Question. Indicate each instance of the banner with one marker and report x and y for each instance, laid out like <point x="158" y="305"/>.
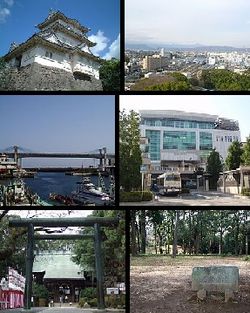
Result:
<point x="16" y="281"/>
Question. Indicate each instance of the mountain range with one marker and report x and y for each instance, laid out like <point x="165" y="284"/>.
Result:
<point x="186" y="47"/>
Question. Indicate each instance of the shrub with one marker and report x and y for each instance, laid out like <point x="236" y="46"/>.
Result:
<point x="82" y="301"/>
<point x="136" y="196"/>
<point x="93" y="302"/>
<point x="245" y="192"/>
<point x="115" y="301"/>
<point x="88" y="293"/>
<point x="247" y="258"/>
<point x="185" y="190"/>
<point x="40" y="291"/>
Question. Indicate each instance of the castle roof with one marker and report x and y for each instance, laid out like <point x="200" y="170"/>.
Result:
<point x="59" y="26"/>
<point x="58" y="45"/>
<point x="59" y="15"/>
<point x="57" y="21"/>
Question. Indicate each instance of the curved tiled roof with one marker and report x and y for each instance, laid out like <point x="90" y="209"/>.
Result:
<point x="40" y="38"/>
<point x="56" y="15"/>
<point x="57" y="266"/>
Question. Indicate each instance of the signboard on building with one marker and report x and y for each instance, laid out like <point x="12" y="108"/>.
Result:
<point x="16" y="280"/>
<point x="143" y="169"/>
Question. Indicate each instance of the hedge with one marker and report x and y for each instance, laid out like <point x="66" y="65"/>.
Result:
<point x="136" y="196"/>
<point x="245" y="191"/>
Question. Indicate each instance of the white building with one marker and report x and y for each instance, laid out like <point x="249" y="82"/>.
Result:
<point x="184" y="140"/>
<point x="61" y="43"/>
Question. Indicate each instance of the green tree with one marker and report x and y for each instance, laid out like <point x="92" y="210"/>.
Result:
<point x="12" y="245"/>
<point x="110" y="75"/>
<point x="130" y="153"/>
<point x="234" y="155"/>
<point x="171" y="85"/>
<point x="113" y="249"/>
<point x="214" y="167"/>
<point x="222" y="79"/>
<point x="246" y="152"/>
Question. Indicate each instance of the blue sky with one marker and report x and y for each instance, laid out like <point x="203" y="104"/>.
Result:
<point x="58" y="123"/>
<point x="212" y="22"/>
<point x="19" y="17"/>
<point x="232" y="107"/>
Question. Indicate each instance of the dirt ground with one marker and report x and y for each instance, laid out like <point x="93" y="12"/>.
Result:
<point x="160" y="284"/>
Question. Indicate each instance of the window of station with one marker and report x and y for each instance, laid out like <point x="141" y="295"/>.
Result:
<point x="179" y="140"/>
<point x="206" y="141"/>
<point x="154" y="144"/>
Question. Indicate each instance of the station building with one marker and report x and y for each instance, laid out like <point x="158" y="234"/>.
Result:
<point x="181" y="141"/>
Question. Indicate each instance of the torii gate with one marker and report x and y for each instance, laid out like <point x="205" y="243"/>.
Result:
<point x="95" y="222"/>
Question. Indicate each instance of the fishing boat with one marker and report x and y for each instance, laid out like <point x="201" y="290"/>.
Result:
<point x="16" y="193"/>
<point x="87" y="191"/>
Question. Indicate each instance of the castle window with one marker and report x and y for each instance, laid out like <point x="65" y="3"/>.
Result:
<point x="48" y="54"/>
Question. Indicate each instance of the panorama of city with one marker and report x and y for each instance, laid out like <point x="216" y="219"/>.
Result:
<point x="206" y="48"/>
<point x="200" y="69"/>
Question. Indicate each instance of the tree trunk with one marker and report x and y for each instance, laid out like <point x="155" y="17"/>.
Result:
<point x="190" y="233"/>
<point x="246" y="244"/>
<point x="155" y="233"/>
<point x="133" y="232"/>
<point x="175" y="234"/>
<point x="220" y="242"/>
<point x="143" y="231"/>
<point x="236" y="234"/>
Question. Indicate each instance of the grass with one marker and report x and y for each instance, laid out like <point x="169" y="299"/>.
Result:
<point x="163" y="260"/>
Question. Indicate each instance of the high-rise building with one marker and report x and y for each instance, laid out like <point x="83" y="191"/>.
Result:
<point x="181" y="140"/>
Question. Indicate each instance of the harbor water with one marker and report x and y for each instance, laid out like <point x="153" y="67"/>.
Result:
<point x="45" y="183"/>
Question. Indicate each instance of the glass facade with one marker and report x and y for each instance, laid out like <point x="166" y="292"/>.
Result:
<point x="179" y="140"/>
<point x="206" y="142"/>
<point x="177" y="123"/>
<point x="154" y="144"/>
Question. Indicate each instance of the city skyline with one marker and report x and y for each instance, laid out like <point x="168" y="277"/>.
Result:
<point x="218" y="23"/>
<point x="18" y="24"/>
<point x="232" y="107"/>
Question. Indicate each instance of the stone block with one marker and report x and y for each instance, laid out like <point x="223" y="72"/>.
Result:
<point x="215" y="278"/>
<point x="201" y="294"/>
<point x="229" y="295"/>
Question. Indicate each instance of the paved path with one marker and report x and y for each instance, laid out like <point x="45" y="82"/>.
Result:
<point x="50" y="310"/>
<point x="195" y="199"/>
<point x="61" y="310"/>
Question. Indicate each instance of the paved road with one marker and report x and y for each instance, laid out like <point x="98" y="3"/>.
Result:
<point x="195" y="199"/>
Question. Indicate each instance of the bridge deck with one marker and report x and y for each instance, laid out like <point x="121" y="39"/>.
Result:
<point x="62" y="155"/>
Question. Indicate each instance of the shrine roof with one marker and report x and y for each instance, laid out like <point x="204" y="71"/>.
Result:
<point x="57" y="266"/>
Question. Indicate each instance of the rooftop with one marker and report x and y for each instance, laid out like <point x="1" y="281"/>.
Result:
<point x="191" y="116"/>
<point x="59" y="266"/>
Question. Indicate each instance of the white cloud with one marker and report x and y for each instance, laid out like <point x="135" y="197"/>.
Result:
<point x="9" y="2"/>
<point x="114" y="50"/>
<point x="101" y="42"/>
<point x="4" y="12"/>
<point x="193" y="21"/>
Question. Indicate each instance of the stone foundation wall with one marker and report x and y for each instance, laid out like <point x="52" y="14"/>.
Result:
<point x="39" y="77"/>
